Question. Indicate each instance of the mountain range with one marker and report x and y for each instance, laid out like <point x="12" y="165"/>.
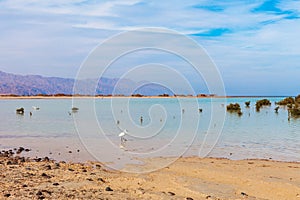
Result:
<point x="13" y="84"/>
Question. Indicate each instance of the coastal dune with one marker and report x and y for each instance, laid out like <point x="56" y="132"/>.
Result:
<point x="187" y="178"/>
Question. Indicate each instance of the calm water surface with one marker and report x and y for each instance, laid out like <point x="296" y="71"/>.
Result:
<point x="170" y="123"/>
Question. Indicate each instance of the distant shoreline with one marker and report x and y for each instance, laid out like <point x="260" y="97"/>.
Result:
<point x="142" y="97"/>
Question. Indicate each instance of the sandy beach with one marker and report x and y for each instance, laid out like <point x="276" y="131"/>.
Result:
<point x="187" y="178"/>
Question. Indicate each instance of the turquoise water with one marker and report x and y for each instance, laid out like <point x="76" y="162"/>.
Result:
<point x="169" y="126"/>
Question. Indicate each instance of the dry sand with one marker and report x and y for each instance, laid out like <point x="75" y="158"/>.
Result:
<point x="187" y="178"/>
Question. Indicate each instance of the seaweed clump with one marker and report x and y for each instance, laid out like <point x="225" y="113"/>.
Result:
<point x="294" y="109"/>
<point x="236" y="108"/>
<point x="286" y="101"/>
<point x="247" y="103"/>
<point x="261" y="103"/>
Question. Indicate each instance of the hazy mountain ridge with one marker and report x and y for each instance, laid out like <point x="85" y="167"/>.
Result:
<point x="36" y="84"/>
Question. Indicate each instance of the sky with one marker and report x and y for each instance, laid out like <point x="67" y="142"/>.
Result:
<point x="255" y="44"/>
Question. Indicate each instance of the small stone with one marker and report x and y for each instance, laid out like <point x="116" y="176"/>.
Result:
<point x="7" y="195"/>
<point x="84" y="170"/>
<point x="47" y="167"/>
<point x="244" y="194"/>
<point x="98" y="166"/>
<point x="71" y="170"/>
<point x="24" y="185"/>
<point x="89" y="179"/>
<point x="189" y="198"/>
<point x="45" y="175"/>
<point x="39" y="193"/>
<point x="108" y="189"/>
<point x="55" y="184"/>
<point x="101" y="179"/>
<point x="78" y="150"/>
<point x="46" y="159"/>
<point x="69" y="151"/>
<point x="207" y="197"/>
<point x="171" y="193"/>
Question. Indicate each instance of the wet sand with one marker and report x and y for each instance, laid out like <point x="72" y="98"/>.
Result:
<point x="187" y="178"/>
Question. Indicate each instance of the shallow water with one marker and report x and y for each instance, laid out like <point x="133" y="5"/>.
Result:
<point x="169" y="127"/>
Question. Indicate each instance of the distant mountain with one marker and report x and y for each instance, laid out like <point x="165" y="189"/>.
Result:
<point x="36" y="84"/>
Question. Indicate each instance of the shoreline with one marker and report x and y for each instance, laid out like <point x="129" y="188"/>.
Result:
<point x="186" y="178"/>
<point x="134" y="97"/>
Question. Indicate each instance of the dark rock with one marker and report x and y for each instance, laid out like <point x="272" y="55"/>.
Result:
<point x="24" y="185"/>
<point x="39" y="193"/>
<point x="47" y="191"/>
<point x="101" y="179"/>
<point x="98" y="166"/>
<point x="171" y="193"/>
<point x="207" y="197"/>
<point x="108" y="189"/>
<point x="71" y="170"/>
<point x="46" y="159"/>
<point x="27" y="150"/>
<point x="7" y="195"/>
<point x="84" y="170"/>
<point x="244" y="194"/>
<point x="45" y="175"/>
<point x="47" y="167"/>
<point x="189" y="198"/>
<point x="69" y="151"/>
<point x="89" y="179"/>
<point x="55" y="184"/>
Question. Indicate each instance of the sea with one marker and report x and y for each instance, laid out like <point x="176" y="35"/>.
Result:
<point x="152" y="127"/>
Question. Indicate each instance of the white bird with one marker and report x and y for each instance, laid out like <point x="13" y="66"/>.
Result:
<point x="122" y="134"/>
<point x="35" y="108"/>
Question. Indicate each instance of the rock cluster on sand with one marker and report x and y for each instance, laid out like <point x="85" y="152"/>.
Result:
<point x="187" y="178"/>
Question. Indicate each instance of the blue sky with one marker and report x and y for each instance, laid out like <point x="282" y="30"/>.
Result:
<point x="255" y="44"/>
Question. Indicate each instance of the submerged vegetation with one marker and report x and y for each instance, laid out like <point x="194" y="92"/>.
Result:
<point x="247" y="103"/>
<point x="286" y="101"/>
<point x="235" y="108"/>
<point x="293" y="105"/>
<point x="261" y="103"/>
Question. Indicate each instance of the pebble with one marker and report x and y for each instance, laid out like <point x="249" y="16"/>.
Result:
<point x="101" y="179"/>
<point x="189" y="198"/>
<point x="55" y="184"/>
<point x="47" y="167"/>
<point x="98" y="166"/>
<point x="171" y="193"/>
<point x="244" y="194"/>
<point x="46" y="159"/>
<point x="7" y="195"/>
<point x="45" y="175"/>
<point x="39" y="193"/>
<point x="108" y="189"/>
